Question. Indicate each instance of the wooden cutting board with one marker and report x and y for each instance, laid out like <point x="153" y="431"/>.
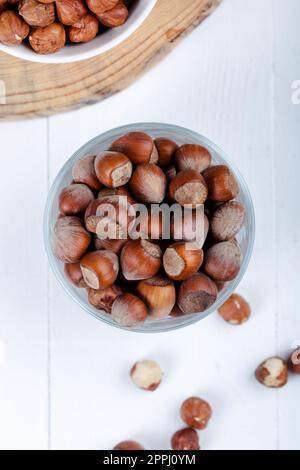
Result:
<point x="41" y="89"/>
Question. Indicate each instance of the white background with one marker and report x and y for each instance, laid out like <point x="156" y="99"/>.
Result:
<point x="63" y="375"/>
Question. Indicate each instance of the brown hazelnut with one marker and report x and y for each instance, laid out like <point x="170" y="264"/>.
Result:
<point x="13" y="28"/>
<point x="102" y="299"/>
<point x="100" y="269"/>
<point x="295" y="361"/>
<point x="196" y="412"/>
<point x="113" y="169"/>
<point x="221" y="182"/>
<point x="74" y="199"/>
<point x="99" y="6"/>
<point x="140" y="259"/>
<point x="111" y="245"/>
<point x="188" y="188"/>
<point x="181" y="260"/>
<point x="128" y="445"/>
<point x="227" y="220"/>
<point x="192" y="157"/>
<point x="222" y="262"/>
<point x="84" y="172"/>
<point x="190" y="227"/>
<point x="128" y="310"/>
<point x="273" y="372"/>
<point x="74" y="274"/>
<point x="159" y="295"/>
<point x="70" y="240"/>
<point x="84" y="30"/>
<point x="185" y="439"/>
<point x="49" y="39"/>
<point x="138" y="146"/>
<point x="166" y="150"/>
<point x="70" y="11"/>
<point x="197" y="294"/>
<point x="147" y="375"/>
<point x="148" y="183"/>
<point x="235" y="310"/>
<point x="36" y="13"/>
<point x="114" y="17"/>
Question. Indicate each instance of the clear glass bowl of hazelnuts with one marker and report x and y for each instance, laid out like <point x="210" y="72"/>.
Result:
<point x="149" y="227"/>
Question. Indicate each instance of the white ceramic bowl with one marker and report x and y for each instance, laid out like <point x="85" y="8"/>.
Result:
<point x="102" y="43"/>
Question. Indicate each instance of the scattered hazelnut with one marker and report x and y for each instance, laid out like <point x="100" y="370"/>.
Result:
<point x="192" y="157"/>
<point x="166" y="150"/>
<point x="70" y="240"/>
<point x="188" y="188"/>
<point x="196" y="412"/>
<point x="114" y="17"/>
<point x="221" y="182"/>
<point x="74" y="199"/>
<point x="295" y="361"/>
<point x="99" y="6"/>
<point x="128" y="445"/>
<point x="227" y="220"/>
<point x="222" y="261"/>
<point x="13" y="28"/>
<point x="140" y="259"/>
<point x="148" y="183"/>
<point x="70" y="11"/>
<point x="185" y="439"/>
<point x="147" y="375"/>
<point x="100" y="269"/>
<point x="235" y="310"/>
<point x="273" y="372"/>
<point x="74" y="274"/>
<point x="197" y="294"/>
<point x="102" y="299"/>
<point x="49" y="39"/>
<point x="159" y="295"/>
<point x="36" y="13"/>
<point x="113" y="169"/>
<point x="138" y="146"/>
<point x="181" y="260"/>
<point x="128" y="310"/>
<point x="84" y="172"/>
<point x="84" y="30"/>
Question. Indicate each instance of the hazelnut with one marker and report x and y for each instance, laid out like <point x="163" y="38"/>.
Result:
<point x="99" y="6"/>
<point x="128" y="310"/>
<point x="181" y="260"/>
<point x="70" y="12"/>
<point x="227" y="220"/>
<point x="159" y="295"/>
<point x="140" y="259"/>
<point x="197" y="294"/>
<point x="113" y="169"/>
<point x="84" y="30"/>
<point x="84" y="172"/>
<point x="185" y="439"/>
<point x="70" y="240"/>
<point x="193" y="227"/>
<point x="148" y="183"/>
<point x="111" y="245"/>
<point x="222" y="262"/>
<point x="36" y="13"/>
<point x="12" y="28"/>
<point x="188" y="188"/>
<point x="235" y="310"/>
<point x="138" y="146"/>
<point x="147" y="375"/>
<point x="102" y="299"/>
<point x="273" y="372"/>
<point x="192" y="157"/>
<point x="74" y="199"/>
<point x="49" y="39"/>
<point x="221" y="182"/>
<point x="166" y="150"/>
<point x="100" y="269"/>
<point x="295" y="361"/>
<point x="74" y="274"/>
<point x="196" y="412"/>
<point x="128" y="445"/>
<point x="114" y="17"/>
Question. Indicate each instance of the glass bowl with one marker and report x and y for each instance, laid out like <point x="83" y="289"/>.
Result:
<point x="181" y="136"/>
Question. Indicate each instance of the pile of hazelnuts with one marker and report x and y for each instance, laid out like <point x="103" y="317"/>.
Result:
<point x="136" y="279"/>
<point x="50" y="24"/>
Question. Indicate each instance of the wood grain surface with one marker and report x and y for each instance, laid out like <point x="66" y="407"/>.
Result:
<point x="42" y="89"/>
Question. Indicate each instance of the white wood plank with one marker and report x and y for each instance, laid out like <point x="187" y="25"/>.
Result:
<point x="286" y="200"/>
<point x="218" y="82"/>
<point x="23" y="281"/>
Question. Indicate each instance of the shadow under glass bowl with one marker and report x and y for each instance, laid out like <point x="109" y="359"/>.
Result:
<point x="181" y="136"/>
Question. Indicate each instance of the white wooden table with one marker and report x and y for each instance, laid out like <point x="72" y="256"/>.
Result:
<point x="63" y="375"/>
